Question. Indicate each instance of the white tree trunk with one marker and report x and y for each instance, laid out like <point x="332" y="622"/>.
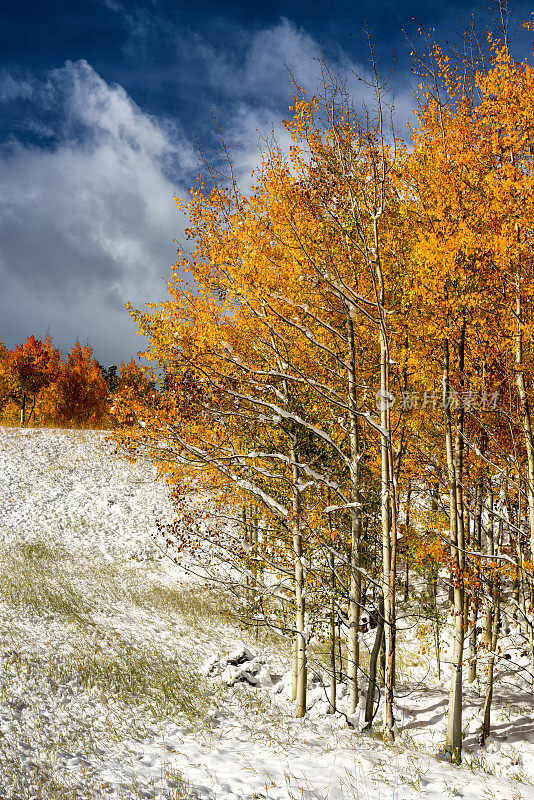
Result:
<point x="353" y="639"/>
<point x="453" y="742"/>
<point x="300" y="666"/>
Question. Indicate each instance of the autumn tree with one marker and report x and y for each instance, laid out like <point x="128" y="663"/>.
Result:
<point x="80" y="395"/>
<point x="25" y="371"/>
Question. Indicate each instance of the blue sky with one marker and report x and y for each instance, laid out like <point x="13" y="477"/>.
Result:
<point x="103" y="105"/>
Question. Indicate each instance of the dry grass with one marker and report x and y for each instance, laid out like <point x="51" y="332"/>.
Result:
<point x="40" y="783"/>
<point x="76" y="656"/>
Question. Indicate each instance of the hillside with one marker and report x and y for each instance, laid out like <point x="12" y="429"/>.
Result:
<point x="115" y="665"/>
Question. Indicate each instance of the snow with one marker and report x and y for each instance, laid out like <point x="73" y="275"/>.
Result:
<point x="121" y="677"/>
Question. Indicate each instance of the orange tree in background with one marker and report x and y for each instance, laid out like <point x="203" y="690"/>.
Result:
<point x="25" y="371"/>
<point x="38" y="386"/>
<point x="80" y="394"/>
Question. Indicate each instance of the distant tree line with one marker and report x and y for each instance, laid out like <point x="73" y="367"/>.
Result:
<point x="41" y="386"/>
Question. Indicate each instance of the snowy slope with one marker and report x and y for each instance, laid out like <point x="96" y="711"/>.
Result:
<point x="116" y="674"/>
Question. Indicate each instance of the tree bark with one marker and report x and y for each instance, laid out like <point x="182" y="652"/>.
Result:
<point x="491" y="663"/>
<point x="406" y="549"/>
<point x="300" y="668"/>
<point x="526" y="421"/>
<point x="453" y="742"/>
<point x="387" y="507"/>
<point x="477" y="529"/>
<point x="472" y="638"/>
<point x="353" y="639"/>
<point x="333" y="680"/>
<point x="485" y="639"/>
<point x="373" y="666"/>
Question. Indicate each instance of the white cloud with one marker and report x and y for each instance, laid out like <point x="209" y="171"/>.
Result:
<point x="90" y="222"/>
<point x="106" y="111"/>
<point x="283" y="54"/>
<point x="274" y="57"/>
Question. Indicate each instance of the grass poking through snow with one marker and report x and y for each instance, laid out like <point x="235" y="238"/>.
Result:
<point x="86" y="635"/>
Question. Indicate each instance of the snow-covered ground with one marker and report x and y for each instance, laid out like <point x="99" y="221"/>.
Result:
<point x="120" y="677"/>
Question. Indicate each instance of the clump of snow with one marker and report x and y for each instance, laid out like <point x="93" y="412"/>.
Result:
<point x="240" y="666"/>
